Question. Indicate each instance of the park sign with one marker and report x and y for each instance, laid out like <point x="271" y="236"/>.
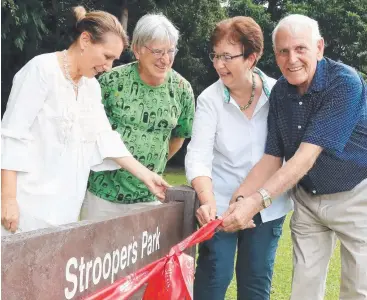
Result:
<point x="74" y="260"/>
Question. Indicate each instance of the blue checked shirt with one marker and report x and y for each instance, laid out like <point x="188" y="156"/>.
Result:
<point x="331" y="114"/>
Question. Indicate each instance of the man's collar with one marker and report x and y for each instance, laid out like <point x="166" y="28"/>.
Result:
<point x="318" y="82"/>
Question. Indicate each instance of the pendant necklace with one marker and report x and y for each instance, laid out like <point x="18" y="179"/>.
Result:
<point x="246" y="106"/>
<point x="67" y="73"/>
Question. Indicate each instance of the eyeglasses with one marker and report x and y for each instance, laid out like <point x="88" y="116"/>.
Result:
<point x="159" y="53"/>
<point x="226" y="58"/>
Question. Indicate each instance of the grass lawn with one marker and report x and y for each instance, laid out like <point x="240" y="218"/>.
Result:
<point x="283" y="263"/>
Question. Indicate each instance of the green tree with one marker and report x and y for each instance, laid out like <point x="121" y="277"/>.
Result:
<point x="196" y="21"/>
<point x="129" y="11"/>
<point x="273" y="7"/>
<point x="343" y="24"/>
<point x="276" y="8"/>
<point x="59" y="20"/>
<point x="29" y="28"/>
<point x="259" y="13"/>
<point x="21" y="34"/>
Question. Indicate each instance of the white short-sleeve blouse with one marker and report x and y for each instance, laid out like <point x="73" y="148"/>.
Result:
<point x="225" y="144"/>
<point x="53" y="139"/>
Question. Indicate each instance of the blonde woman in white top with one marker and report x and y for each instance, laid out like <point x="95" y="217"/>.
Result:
<point x="228" y="139"/>
<point x="55" y="130"/>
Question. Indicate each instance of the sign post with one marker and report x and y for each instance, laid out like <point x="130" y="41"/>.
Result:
<point x="74" y="260"/>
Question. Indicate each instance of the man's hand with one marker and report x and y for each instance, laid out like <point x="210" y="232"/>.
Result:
<point x="206" y="212"/>
<point x="156" y="184"/>
<point x="239" y="214"/>
<point x="9" y="214"/>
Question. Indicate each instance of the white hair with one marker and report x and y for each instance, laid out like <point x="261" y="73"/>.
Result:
<point x="296" y="23"/>
<point x="154" y="27"/>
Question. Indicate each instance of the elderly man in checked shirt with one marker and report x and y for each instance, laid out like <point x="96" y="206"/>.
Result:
<point x="318" y="123"/>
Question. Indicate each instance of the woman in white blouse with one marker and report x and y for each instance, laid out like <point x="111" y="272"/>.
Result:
<point x="55" y="130"/>
<point x="228" y="139"/>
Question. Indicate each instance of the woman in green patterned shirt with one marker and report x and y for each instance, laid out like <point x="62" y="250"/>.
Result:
<point x="152" y="107"/>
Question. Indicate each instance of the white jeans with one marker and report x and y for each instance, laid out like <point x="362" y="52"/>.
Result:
<point x="95" y="207"/>
<point x="316" y="223"/>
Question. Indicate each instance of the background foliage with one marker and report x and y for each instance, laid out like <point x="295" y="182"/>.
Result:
<point x="31" y="27"/>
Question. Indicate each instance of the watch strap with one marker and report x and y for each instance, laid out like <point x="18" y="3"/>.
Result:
<point x="267" y="200"/>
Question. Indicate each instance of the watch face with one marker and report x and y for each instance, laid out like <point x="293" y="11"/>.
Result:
<point x="266" y="198"/>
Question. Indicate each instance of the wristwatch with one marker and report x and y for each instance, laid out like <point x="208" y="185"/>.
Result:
<point x="266" y="197"/>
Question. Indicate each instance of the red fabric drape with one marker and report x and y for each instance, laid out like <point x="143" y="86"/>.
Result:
<point x="169" y="278"/>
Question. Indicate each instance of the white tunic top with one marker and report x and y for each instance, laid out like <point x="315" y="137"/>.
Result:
<point x="53" y="140"/>
<point x="226" y="145"/>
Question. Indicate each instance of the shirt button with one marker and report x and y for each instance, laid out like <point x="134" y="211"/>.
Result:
<point x="300" y="103"/>
<point x="314" y="192"/>
<point x="299" y="126"/>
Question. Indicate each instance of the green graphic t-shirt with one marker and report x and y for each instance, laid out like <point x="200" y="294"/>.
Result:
<point x="146" y="118"/>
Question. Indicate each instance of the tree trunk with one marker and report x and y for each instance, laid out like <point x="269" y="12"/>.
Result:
<point x="124" y="15"/>
<point x="273" y="9"/>
<point x="55" y="14"/>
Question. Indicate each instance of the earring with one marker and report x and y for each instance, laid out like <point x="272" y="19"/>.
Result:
<point x="81" y="52"/>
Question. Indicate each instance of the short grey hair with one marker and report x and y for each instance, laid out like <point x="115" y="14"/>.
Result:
<point x="297" y="22"/>
<point x="154" y="27"/>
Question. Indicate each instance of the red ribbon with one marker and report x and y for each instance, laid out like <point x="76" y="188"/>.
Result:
<point x="169" y="278"/>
